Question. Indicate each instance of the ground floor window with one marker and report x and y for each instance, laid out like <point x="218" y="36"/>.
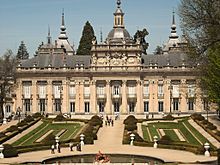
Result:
<point x="160" y="106"/>
<point x="116" y="106"/>
<point x="42" y="105"/>
<point x="205" y="105"/>
<point x="191" y="104"/>
<point x="58" y="105"/>
<point x="72" y="107"/>
<point x="131" y="106"/>
<point x="86" y="107"/>
<point x="101" y="106"/>
<point x="146" y="106"/>
<point x="27" y="105"/>
<point x="8" y="109"/>
<point x="175" y="104"/>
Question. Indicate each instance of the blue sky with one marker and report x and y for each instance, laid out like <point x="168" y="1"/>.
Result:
<point x="28" y="20"/>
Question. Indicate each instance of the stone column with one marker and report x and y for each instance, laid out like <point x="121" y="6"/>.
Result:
<point x="34" y="106"/>
<point x="139" y="92"/>
<point x="124" y="109"/>
<point x="19" y="95"/>
<point x="77" y="103"/>
<point x="81" y="97"/>
<point x="166" y="96"/>
<point x="183" y="100"/>
<point x="49" y="97"/>
<point x="108" y="106"/>
<point x="65" y="101"/>
<point x="93" y="100"/>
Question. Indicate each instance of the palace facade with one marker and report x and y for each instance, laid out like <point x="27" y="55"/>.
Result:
<point x="116" y="78"/>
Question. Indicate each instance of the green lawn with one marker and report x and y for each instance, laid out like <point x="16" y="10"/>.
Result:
<point x="191" y="138"/>
<point x="31" y="137"/>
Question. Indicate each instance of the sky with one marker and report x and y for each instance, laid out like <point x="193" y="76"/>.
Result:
<point x="28" y="20"/>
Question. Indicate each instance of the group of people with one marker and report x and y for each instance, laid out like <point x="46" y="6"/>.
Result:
<point x="78" y="147"/>
<point x="109" y="121"/>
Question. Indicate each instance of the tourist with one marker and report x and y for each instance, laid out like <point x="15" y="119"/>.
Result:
<point x="71" y="146"/>
<point x="112" y="122"/>
<point x="52" y="149"/>
<point x="106" y="122"/>
<point x="58" y="149"/>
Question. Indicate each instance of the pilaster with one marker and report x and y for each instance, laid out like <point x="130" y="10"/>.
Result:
<point x="139" y="94"/>
<point x="49" y="97"/>
<point x="124" y="109"/>
<point x="93" y="101"/>
<point x="108" y="106"/>
<point x="34" y="102"/>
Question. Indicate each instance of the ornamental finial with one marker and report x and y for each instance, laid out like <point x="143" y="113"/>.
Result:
<point x="118" y="3"/>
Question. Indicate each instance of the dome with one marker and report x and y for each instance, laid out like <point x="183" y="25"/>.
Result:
<point x="119" y="33"/>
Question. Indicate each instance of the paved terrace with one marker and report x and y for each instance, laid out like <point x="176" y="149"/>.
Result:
<point x="110" y="141"/>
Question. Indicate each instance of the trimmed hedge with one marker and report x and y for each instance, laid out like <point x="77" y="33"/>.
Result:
<point x="168" y="117"/>
<point x="60" y="117"/>
<point x="130" y="120"/>
<point x="165" y="140"/>
<point x="9" y="151"/>
<point x="13" y="128"/>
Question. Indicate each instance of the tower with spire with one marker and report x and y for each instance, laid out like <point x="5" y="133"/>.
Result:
<point x="62" y="41"/>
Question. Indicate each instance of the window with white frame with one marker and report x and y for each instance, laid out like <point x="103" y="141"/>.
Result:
<point x="72" y="91"/>
<point x="87" y="107"/>
<point x="116" y="90"/>
<point x="191" y="104"/>
<point x="175" y="91"/>
<point x="160" y="106"/>
<point x="191" y="90"/>
<point x="57" y="105"/>
<point x="100" y="90"/>
<point x="205" y="104"/>
<point x="8" y="108"/>
<point x="42" y="91"/>
<point x="72" y="107"/>
<point x="27" y="91"/>
<point x="57" y="91"/>
<point x="146" y="106"/>
<point x="175" y="104"/>
<point x="131" y="90"/>
<point x="42" y="105"/>
<point x="27" y="105"/>
<point x="146" y="90"/>
<point x="131" y="107"/>
<point x="160" y="90"/>
<point x="86" y="91"/>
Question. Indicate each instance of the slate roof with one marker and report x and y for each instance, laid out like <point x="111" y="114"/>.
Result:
<point x="59" y="60"/>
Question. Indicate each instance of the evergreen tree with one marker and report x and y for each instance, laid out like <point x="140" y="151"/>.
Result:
<point x="22" y="52"/>
<point x="158" y="50"/>
<point x="85" y="44"/>
<point x="141" y="34"/>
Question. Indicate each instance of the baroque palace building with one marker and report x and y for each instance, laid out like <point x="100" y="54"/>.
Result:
<point x="116" y="78"/>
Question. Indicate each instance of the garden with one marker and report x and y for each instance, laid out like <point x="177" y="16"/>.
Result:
<point x="170" y="132"/>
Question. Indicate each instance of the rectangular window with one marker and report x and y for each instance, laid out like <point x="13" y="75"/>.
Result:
<point x="190" y="104"/>
<point x="101" y="106"/>
<point x="27" y="105"/>
<point x="87" y="108"/>
<point x="116" y="90"/>
<point x="160" y="106"/>
<point x="72" y="91"/>
<point x="160" y="90"/>
<point x="58" y="105"/>
<point x="146" y="106"/>
<point x="27" y="91"/>
<point x="8" y="109"/>
<point x="86" y="91"/>
<point x="175" y="104"/>
<point x="191" y="90"/>
<point x="205" y="105"/>
<point x="42" y="104"/>
<point x="146" y="90"/>
<point x="42" y="91"/>
<point x="57" y="91"/>
<point x="72" y="107"/>
<point x="100" y="90"/>
<point x="131" y="106"/>
<point x="175" y="92"/>
<point x="131" y="90"/>
<point x="116" y="106"/>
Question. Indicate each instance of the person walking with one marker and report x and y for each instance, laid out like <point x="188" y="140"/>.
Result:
<point x="58" y="149"/>
<point x="52" y="149"/>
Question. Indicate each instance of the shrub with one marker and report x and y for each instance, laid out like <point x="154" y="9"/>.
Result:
<point x="95" y="120"/>
<point x="218" y="155"/>
<point x="88" y="140"/>
<point x="9" y="151"/>
<point x="2" y="135"/>
<point x="169" y="117"/>
<point x="130" y="120"/>
<point x="22" y="123"/>
<point x="165" y="140"/>
<point x="36" y="115"/>
<point x="218" y="133"/>
<point x="131" y="127"/>
<point x="29" y="119"/>
<point x="137" y="137"/>
<point x="12" y="128"/>
<point x="60" y="117"/>
<point x="211" y="126"/>
<point x="50" y="139"/>
<point x="197" y="116"/>
<point x="204" y="122"/>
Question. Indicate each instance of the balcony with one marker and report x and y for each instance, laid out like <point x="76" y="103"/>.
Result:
<point x="132" y="96"/>
<point x="116" y="96"/>
<point x="100" y="96"/>
<point x="146" y="95"/>
<point x="160" y="96"/>
<point x="86" y="95"/>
